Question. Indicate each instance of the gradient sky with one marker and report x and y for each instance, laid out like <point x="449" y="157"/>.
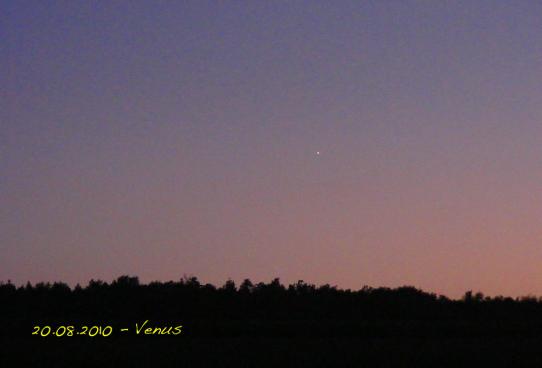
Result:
<point x="166" y="138"/>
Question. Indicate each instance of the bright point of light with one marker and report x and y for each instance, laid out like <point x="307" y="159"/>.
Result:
<point x="317" y="152"/>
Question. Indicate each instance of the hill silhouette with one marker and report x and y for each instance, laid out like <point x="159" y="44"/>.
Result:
<point x="363" y="325"/>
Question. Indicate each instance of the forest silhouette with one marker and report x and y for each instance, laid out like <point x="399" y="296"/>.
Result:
<point x="366" y="324"/>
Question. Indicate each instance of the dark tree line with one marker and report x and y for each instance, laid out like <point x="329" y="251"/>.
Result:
<point x="267" y="308"/>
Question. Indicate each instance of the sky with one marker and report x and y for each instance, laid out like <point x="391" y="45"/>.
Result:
<point x="162" y="139"/>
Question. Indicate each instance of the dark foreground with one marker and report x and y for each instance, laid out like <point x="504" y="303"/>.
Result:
<point x="276" y="352"/>
<point x="186" y="324"/>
